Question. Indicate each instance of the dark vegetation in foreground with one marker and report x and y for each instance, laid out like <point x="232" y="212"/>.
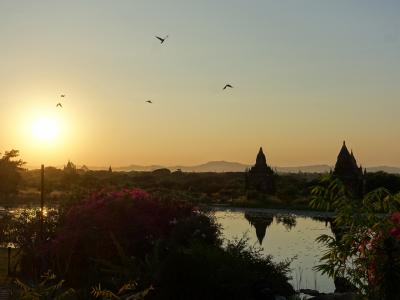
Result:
<point x="364" y="252"/>
<point x="168" y="250"/>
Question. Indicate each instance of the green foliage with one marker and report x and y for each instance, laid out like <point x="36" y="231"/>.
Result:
<point x="287" y="220"/>
<point x="127" y="292"/>
<point x="24" y="231"/>
<point x="294" y="186"/>
<point x="49" y="288"/>
<point x="236" y="271"/>
<point x="362" y="249"/>
<point x="376" y="180"/>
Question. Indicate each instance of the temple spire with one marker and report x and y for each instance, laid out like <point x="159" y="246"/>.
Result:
<point x="348" y="171"/>
<point x="261" y="177"/>
<point x="261" y="160"/>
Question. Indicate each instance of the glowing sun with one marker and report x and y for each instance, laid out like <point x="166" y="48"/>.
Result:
<point x="45" y="129"/>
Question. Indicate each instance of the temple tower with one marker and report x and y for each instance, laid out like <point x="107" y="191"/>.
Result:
<point x="347" y="170"/>
<point x="261" y="177"/>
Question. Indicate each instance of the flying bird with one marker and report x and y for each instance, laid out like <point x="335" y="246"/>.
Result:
<point x="161" y="39"/>
<point x="62" y="95"/>
<point x="227" y="86"/>
<point x="59" y="105"/>
<point x="149" y="101"/>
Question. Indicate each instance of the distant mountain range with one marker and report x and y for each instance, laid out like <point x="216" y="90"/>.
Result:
<point x="212" y="166"/>
<point x="227" y="166"/>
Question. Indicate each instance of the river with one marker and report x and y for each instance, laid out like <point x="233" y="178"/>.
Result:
<point x="284" y="235"/>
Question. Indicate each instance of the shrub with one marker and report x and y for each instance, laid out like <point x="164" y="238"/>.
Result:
<point x="200" y="271"/>
<point x="49" y="288"/>
<point x="366" y="247"/>
<point x="26" y="233"/>
<point x="136" y="219"/>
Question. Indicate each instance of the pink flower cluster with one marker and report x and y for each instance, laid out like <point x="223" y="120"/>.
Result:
<point x="370" y="241"/>
<point x="372" y="249"/>
<point x="132" y="217"/>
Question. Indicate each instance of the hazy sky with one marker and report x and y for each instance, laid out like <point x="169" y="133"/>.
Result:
<point x="306" y="75"/>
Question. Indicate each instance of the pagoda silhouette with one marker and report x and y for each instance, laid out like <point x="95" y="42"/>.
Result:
<point x="260" y="222"/>
<point x="261" y="177"/>
<point x="347" y="171"/>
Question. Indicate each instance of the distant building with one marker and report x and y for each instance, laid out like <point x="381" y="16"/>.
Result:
<point x="70" y="167"/>
<point x="261" y="177"/>
<point x="347" y="170"/>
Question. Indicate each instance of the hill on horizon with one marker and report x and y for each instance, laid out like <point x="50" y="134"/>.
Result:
<point x="227" y="166"/>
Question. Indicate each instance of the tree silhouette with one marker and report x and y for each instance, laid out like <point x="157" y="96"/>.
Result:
<point x="10" y="177"/>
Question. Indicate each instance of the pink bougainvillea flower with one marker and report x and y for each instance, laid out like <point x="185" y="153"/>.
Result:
<point x="131" y="215"/>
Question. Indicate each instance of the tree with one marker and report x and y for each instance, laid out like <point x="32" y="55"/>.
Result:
<point x="10" y="173"/>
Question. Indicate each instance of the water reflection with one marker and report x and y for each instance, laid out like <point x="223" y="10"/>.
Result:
<point x="260" y="222"/>
<point x="288" y="220"/>
<point x="284" y="235"/>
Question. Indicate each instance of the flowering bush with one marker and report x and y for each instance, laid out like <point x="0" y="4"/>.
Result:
<point x="379" y="252"/>
<point x="131" y="216"/>
<point x="365" y="248"/>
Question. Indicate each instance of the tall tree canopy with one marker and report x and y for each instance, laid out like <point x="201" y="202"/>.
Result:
<point x="10" y="176"/>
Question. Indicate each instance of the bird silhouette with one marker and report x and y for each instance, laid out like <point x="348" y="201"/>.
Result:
<point x="162" y="40"/>
<point x="62" y="95"/>
<point x="227" y="86"/>
<point x="59" y="105"/>
<point x="149" y="101"/>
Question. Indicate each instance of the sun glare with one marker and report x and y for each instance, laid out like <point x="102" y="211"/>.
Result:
<point x="45" y="129"/>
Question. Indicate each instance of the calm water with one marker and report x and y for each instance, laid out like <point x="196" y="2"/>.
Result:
<point x="283" y="235"/>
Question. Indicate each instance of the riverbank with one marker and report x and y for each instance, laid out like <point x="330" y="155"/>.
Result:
<point x="274" y="211"/>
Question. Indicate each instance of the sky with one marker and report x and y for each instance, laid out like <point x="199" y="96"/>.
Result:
<point x="306" y="75"/>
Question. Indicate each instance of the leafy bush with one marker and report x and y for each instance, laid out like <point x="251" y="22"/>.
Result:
<point x="26" y="233"/>
<point x="200" y="271"/>
<point x="366" y="246"/>
<point x="136" y="219"/>
<point x="49" y="288"/>
<point x="127" y="292"/>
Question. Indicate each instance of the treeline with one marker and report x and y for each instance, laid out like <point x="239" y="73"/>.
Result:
<point x="229" y="188"/>
<point x="227" y="185"/>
